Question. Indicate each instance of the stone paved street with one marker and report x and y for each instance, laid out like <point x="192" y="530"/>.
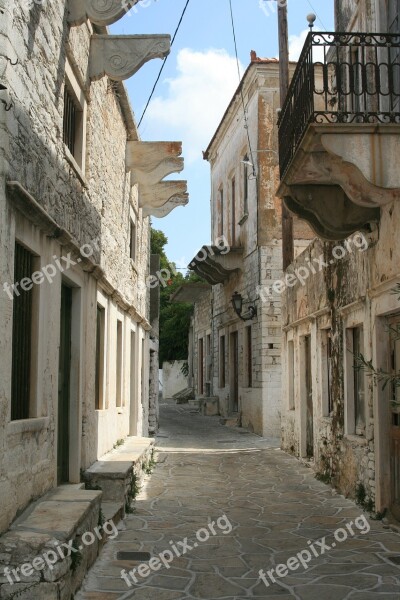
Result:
<point x="275" y="506"/>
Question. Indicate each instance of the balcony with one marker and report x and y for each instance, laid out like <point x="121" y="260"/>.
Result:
<point x="339" y="131"/>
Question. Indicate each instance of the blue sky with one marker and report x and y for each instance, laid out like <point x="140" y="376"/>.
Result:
<point x="197" y="84"/>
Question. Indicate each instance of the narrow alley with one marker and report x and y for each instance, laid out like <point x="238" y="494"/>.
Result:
<point x="267" y="512"/>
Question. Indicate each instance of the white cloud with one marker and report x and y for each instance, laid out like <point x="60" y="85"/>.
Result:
<point x="296" y="43"/>
<point x="196" y="100"/>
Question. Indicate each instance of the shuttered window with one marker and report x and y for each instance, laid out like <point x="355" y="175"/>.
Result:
<point x="22" y="336"/>
<point x="70" y="121"/>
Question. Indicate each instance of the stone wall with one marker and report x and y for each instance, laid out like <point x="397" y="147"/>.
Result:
<point x="258" y="233"/>
<point x="62" y="208"/>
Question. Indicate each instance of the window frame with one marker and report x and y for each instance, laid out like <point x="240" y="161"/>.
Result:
<point x="352" y="380"/>
<point x="30" y="407"/>
<point x="77" y="94"/>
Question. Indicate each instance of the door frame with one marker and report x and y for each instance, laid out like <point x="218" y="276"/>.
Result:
<point x="74" y="281"/>
<point x="234" y="371"/>
<point x="384" y="307"/>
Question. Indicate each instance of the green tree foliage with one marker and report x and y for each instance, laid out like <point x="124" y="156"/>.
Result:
<point x="174" y="316"/>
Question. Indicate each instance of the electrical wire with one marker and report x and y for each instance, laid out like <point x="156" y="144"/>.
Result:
<point x="163" y="64"/>
<point x="246" y="122"/>
<point x="313" y="9"/>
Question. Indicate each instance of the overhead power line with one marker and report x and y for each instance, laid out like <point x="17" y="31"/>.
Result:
<point x="163" y="64"/>
<point x="313" y="9"/>
<point x="246" y="123"/>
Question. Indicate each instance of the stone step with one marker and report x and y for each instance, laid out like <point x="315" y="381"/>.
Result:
<point x="232" y="420"/>
<point x="63" y="515"/>
<point x="210" y="406"/>
<point x="114" y="472"/>
<point x="184" y="396"/>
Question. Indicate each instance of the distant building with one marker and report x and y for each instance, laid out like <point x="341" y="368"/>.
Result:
<point x="238" y="361"/>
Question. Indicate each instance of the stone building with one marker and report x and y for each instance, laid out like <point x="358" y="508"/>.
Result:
<point x="77" y="188"/>
<point x="339" y="172"/>
<point x="237" y="356"/>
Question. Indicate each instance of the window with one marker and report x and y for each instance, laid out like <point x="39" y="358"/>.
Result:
<point x="233" y="211"/>
<point x="290" y="351"/>
<point x="222" y="368"/>
<point x="74" y="120"/>
<point x="119" y="365"/>
<point x="326" y="362"/>
<point x="249" y="356"/>
<point x="355" y="382"/>
<point x="221" y="212"/>
<point x="100" y="328"/>
<point x="21" y="378"/>
<point x="359" y="383"/>
<point x="245" y="185"/>
<point x="133" y="241"/>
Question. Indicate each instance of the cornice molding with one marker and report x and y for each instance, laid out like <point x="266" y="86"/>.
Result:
<point x="100" y="12"/>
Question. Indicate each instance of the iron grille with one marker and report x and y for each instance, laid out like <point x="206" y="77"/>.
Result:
<point x="22" y="337"/>
<point x="70" y="118"/>
<point x="341" y="78"/>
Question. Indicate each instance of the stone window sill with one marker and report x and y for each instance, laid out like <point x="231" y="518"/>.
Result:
<point x="28" y="425"/>
<point x="71" y="160"/>
<point x="356" y="439"/>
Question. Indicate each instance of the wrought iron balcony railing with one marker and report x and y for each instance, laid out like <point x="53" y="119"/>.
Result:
<point x="341" y="78"/>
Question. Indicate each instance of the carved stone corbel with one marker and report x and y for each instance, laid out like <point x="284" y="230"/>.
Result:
<point x="168" y="207"/>
<point x="156" y="196"/>
<point x="150" y="162"/>
<point x="100" y="12"/>
<point x="121" y="56"/>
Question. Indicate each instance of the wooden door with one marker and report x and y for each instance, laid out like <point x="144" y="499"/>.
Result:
<point x="234" y="387"/>
<point x="394" y="410"/>
<point x="64" y="376"/>
<point x="309" y="399"/>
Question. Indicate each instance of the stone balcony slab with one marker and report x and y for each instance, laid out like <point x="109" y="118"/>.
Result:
<point x="341" y="175"/>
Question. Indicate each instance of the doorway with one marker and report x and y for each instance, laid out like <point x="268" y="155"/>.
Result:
<point x="234" y="372"/>
<point x="64" y="386"/>
<point x="309" y="399"/>
<point x="394" y="412"/>
<point x="200" y="386"/>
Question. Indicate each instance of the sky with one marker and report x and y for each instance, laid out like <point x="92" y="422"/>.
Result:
<point x="197" y="84"/>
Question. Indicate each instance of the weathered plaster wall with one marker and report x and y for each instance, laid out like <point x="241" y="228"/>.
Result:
<point x="173" y="378"/>
<point x="347" y="292"/>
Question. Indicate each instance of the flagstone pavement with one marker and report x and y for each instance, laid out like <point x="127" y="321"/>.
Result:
<point x="276" y="509"/>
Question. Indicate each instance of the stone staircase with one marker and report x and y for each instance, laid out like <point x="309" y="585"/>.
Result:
<point x="34" y="564"/>
<point x="116" y="472"/>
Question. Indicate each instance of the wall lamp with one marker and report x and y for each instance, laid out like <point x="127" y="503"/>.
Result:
<point x="237" y="303"/>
